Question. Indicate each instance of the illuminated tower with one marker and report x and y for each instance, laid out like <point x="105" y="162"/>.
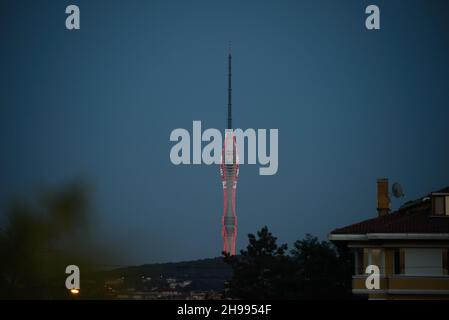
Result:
<point x="229" y="171"/>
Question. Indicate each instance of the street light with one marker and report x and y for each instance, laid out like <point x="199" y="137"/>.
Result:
<point x="74" y="291"/>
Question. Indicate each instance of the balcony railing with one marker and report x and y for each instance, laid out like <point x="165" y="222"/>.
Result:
<point x="404" y="285"/>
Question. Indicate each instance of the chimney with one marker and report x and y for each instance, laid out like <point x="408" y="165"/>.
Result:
<point x="383" y="200"/>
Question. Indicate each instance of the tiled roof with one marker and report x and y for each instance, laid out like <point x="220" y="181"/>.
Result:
<point x="412" y="218"/>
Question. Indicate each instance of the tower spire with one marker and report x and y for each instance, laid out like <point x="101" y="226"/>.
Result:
<point x="229" y="89"/>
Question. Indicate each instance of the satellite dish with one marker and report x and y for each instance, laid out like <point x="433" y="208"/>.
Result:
<point x="396" y="189"/>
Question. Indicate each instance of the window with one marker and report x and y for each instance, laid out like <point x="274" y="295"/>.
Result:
<point x="423" y="261"/>
<point x="363" y="257"/>
<point x="398" y="261"/>
<point x="447" y="205"/>
<point x="359" y="261"/>
<point x="376" y="257"/>
<point x="445" y="261"/>
<point x="440" y="205"/>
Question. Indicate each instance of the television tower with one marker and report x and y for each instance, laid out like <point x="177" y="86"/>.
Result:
<point x="229" y="171"/>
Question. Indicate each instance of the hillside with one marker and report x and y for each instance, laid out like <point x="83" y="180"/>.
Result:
<point x="204" y="274"/>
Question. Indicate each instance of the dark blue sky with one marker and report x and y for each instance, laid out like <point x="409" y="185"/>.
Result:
<point x="351" y="105"/>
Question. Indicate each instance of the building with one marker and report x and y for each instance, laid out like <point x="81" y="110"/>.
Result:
<point x="229" y="171"/>
<point x="410" y="247"/>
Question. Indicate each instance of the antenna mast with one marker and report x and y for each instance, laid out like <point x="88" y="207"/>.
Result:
<point x="229" y="89"/>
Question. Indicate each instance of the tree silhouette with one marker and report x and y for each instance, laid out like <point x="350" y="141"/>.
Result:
<point x="314" y="270"/>
<point x="262" y="270"/>
<point x="321" y="271"/>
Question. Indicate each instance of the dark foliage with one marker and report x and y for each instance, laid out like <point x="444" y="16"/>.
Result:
<point x="38" y="241"/>
<point x="314" y="270"/>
